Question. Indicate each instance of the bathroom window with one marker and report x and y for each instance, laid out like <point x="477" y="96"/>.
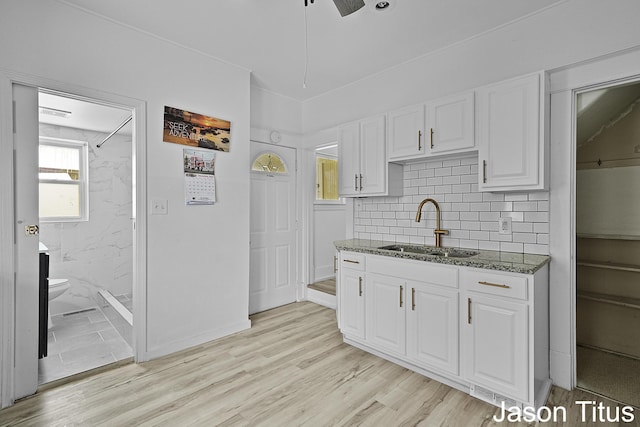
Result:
<point x="63" y="180"/>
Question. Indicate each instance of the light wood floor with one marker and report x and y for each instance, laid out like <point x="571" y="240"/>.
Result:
<point x="291" y="368"/>
<point x="327" y="286"/>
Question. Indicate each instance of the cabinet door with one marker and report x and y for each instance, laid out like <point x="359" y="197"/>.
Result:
<point x="432" y="326"/>
<point x="386" y="313"/>
<point x="511" y="141"/>
<point x="352" y="300"/>
<point x="373" y="157"/>
<point x="406" y="133"/>
<point x="496" y="350"/>
<point x="349" y="159"/>
<point x="450" y="124"/>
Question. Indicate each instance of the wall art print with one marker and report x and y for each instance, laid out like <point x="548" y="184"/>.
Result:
<point x="196" y="130"/>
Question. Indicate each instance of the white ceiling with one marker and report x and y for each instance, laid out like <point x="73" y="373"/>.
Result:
<point x="83" y="114"/>
<point x="268" y="36"/>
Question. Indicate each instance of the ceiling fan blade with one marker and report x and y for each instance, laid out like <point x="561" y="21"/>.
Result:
<point x="347" y="7"/>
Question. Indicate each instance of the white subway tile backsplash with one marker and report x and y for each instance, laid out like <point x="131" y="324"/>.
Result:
<point x="501" y="206"/>
<point x="525" y="206"/>
<point x="489" y="216"/>
<point x="511" y="247"/>
<point x="453" y="179"/>
<point x="492" y="197"/>
<point x="515" y="216"/>
<point x="470" y="216"/>
<point x="516" y="197"/>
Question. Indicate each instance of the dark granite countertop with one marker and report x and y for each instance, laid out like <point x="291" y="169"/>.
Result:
<point x="490" y="260"/>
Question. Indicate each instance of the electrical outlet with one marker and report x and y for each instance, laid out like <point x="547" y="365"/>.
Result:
<point x="159" y="206"/>
<point x="504" y="225"/>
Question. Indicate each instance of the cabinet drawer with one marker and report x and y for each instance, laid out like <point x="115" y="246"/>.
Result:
<point x="352" y="260"/>
<point x="419" y="271"/>
<point x="501" y="284"/>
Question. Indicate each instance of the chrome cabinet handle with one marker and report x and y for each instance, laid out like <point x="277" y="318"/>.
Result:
<point x="432" y="138"/>
<point x="419" y="140"/>
<point x="360" y="182"/>
<point x="413" y="299"/>
<point x="469" y="311"/>
<point x="360" y="286"/>
<point x="352" y="261"/>
<point x="401" y="289"/>
<point x="497" y="285"/>
<point x="356" y="184"/>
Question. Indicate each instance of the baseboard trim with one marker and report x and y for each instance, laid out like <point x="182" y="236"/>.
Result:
<point x="184" y="344"/>
<point x="321" y="298"/>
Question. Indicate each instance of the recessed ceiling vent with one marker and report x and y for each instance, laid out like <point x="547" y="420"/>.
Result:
<point x="48" y="111"/>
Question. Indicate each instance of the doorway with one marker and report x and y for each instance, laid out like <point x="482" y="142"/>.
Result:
<point x="273" y="252"/>
<point x="85" y="211"/>
<point x="61" y="179"/>
<point x="608" y="242"/>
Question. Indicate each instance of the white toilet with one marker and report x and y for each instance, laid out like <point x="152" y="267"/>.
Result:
<point x="57" y="287"/>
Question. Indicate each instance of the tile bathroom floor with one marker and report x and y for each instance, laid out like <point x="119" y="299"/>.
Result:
<point x="79" y="342"/>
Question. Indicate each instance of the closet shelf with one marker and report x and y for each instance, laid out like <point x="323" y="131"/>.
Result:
<point x="611" y="299"/>
<point x="610" y="266"/>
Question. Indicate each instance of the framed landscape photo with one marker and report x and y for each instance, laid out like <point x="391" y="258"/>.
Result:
<point x="196" y="130"/>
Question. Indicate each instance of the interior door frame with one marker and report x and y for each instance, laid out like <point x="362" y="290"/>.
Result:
<point x="294" y="172"/>
<point x="565" y="84"/>
<point x="7" y="218"/>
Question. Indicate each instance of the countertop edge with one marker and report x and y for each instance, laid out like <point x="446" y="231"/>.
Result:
<point x="488" y="260"/>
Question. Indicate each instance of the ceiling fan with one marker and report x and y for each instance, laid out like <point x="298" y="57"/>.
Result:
<point x="345" y="7"/>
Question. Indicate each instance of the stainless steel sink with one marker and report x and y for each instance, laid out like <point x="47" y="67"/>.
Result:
<point x="442" y="252"/>
<point x="455" y="254"/>
<point x="404" y="248"/>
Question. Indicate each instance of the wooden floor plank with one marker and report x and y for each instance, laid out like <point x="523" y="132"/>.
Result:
<point x="291" y="368"/>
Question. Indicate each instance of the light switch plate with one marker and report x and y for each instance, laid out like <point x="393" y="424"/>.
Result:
<point x="504" y="225"/>
<point x="159" y="206"/>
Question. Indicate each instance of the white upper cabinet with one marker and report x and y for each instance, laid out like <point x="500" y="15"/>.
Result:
<point x="349" y="159"/>
<point x="406" y="133"/>
<point x="442" y="126"/>
<point x="511" y="134"/>
<point x="450" y="124"/>
<point x="362" y="166"/>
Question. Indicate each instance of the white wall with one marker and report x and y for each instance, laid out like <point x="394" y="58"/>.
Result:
<point x="570" y="32"/>
<point x="329" y="225"/>
<point x="98" y="253"/>
<point x="198" y="256"/>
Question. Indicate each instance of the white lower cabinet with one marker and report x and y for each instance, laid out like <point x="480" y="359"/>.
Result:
<point x="481" y="331"/>
<point x="385" y="313"/>
<point x="496" y="345"/>
<point x="432" y="326"/>
<point x="351" y="290"/>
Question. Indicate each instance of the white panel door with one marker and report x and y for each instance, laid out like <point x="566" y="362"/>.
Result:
<point x="373" y="157"/>
<point x="26" y="246"/>
<point x="406" y="133"/>
<point x="509" y="137"/>
<point x="497" y="351"/>
<point x="349" y="159"/>
<point x="432" y="326"/>
<point x="385" y="313"/>
<point x="352" y="303"/>
<point x="450" y="124"/>
<point x="273" y="254"/>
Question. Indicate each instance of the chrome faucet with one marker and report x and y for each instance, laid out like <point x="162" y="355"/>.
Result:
<point x="437" y="232"/>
